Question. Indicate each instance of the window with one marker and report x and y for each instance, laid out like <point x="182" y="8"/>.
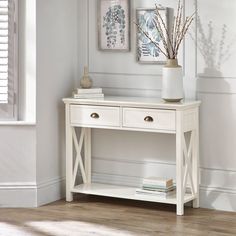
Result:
<point x="8" y="58"/>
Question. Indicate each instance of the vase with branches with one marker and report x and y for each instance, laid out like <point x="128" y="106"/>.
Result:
<point x="171" y="39"/>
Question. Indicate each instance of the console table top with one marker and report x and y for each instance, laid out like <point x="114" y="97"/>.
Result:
<point x="134" y="102"/>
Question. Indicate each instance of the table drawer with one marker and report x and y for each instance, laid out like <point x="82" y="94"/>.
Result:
<point x="94" y="115"/>
<point x="149" y="119"/>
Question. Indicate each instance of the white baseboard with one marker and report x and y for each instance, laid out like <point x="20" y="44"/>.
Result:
<point x="217" y="189"/>
<point x="214" y="194"/>
<point x="218" y="198"/>
<point x="29" y="194"/>
<point x="18" y="194"/>
<point x="50" y="191"/>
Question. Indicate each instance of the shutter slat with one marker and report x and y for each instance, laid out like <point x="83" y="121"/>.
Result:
<point x="6" y="48"/>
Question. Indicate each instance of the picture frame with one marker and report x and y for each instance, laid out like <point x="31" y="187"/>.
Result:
<point x="146" y="52"/>
<point x="114" y="25"/>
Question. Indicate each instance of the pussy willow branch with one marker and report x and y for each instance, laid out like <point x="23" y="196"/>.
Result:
<point x="164" y="41"/>
<point x="147" y="35"/>
<point x="180" y="34"/>
<point x="172" y="33"/>
<point x="184" y="31"/>
<point x="188" y="21"/>
<point x="176" y="24"/>
<point x="171" y="42"/>
<point x="159" y="28"/>
<point x="168" y="38"/>
<point x="179" y="28"/>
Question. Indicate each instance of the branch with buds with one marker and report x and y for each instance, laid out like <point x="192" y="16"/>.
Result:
<point x="171" y="40"/>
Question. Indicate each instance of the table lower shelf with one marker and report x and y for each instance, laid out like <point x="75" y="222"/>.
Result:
<point x="125" y="193"/>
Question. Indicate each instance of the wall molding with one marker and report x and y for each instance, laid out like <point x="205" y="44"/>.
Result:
<point x="128" y="81"/>
<point x="18" y="185"/>
<point x="18" y="194"/>
<point x="132" y="92"/>
<point x="214" y="77"/>
<point x="206" y="172"/>
<point x="135" y="181"/>
<point x="31" y="194"/>
<point x="143" y="162"/>
<point x="216" y="93"/>
<point x="124" y="74"/>
<point x="124" y="160"/>
<point x="210" y="197"/>
<point x="218" y="169"/>
<point x="50" y="191"/>
<point x="44" y="184"/>
<point x="137" y="89"/>
<point x="217" y="188"/>
<point x="216" y="85"/>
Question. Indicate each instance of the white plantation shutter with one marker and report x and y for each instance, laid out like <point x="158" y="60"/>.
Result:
<point x="7" y="57"/>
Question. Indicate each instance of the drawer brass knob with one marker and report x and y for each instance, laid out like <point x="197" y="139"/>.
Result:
<point x="148" y="119"/>
<point x="94" y="115"/>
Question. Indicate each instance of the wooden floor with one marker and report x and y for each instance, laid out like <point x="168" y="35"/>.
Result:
<point x="112" y="217"/>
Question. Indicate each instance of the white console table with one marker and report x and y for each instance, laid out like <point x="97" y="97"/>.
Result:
<point x="134" y="114"/>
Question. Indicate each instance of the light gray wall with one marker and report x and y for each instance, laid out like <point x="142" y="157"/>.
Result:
<point x="56" y="71"/>
<point x="32" y="156"/>
<point x="18" y="141"/>
<point x="17" y="166"/>
<point x="126" y="157"/>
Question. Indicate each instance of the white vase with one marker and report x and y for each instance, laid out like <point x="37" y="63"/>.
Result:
<point x="172" y="82"/>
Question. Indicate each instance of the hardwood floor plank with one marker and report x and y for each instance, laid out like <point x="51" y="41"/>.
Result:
<point x="111" y="217"/>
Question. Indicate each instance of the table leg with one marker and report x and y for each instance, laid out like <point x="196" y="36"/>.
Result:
<point x="179" y="164"/>
<point x="69" y="157"/>
<point x="87" y="154"/>
<point x="196" y="162"/>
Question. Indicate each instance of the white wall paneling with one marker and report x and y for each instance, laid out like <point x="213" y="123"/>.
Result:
<point x="130" y="172"/>
<point x="120" y="74"/>
<point x="132" y="84"/>
<point x="123" y="64"/>
<point x="217" y="188"/>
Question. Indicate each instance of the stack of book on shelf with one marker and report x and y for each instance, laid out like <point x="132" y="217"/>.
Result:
<point x="154" y="186"/>
<point x="82" y="93"/>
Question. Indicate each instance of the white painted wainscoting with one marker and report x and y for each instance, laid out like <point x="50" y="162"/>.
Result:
<point x="31" y="194"/>
<point x="210" y="75"/>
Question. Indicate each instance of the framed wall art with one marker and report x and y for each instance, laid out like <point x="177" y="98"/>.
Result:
<point x="146" y="50"/>
<point x="114" y="25"/>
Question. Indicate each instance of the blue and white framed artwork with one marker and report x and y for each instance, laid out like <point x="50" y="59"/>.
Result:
<point x="147" y="52"/>
<point x="114" y="25"/>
